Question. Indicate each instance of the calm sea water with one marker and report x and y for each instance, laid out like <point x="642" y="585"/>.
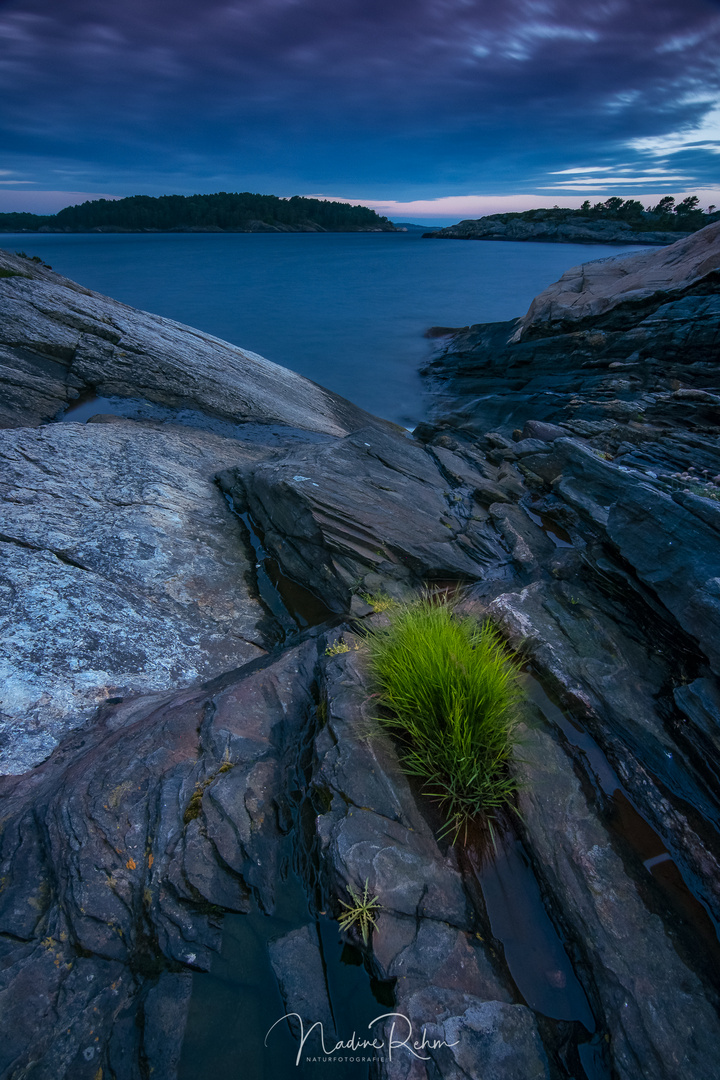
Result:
<point x="347" y="310"/>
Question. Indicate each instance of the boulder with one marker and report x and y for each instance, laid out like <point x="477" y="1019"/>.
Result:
<point x="593" y="290"/>
<point x="372" y="510"/>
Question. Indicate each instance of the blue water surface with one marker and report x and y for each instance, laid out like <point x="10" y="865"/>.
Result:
<point x="347" y="310"/>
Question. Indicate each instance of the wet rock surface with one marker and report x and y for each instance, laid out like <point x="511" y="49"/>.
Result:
<point x="120" y="855"/>
<point x="426" y="937"/>
<point x="298" y="965"/>
<point x="613" y="429"/>
<point x="588" y="535"/>
<point x="654" y="1007"/>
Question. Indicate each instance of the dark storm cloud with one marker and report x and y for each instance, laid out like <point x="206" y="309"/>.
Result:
<point x="418" y="95"/>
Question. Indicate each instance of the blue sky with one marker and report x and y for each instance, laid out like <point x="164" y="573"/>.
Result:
<point x="428" y="109"/>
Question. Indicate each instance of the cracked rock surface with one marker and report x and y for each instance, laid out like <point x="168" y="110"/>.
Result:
<point x="121" y="571"/>
<point x="426" y="932"/>
<point x="374" y="510"/>
<point x="120" y="856"/>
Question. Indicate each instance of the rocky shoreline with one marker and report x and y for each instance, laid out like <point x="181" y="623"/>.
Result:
<point x="551" y="228"/>
<point x="180" y="734"/>
<point x="255" y="226"/>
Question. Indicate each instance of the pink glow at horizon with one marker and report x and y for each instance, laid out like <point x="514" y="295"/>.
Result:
<point x="450" y="209"/>
<point x="457" y="207"/>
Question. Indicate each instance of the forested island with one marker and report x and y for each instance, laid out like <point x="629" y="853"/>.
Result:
<point x="222" y="212"/>
<point x="614" y="221"/>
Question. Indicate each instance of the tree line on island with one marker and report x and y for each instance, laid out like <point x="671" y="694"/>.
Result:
<point x="247" y="212"/>
<point x="666" y="216"/>
<point x="224" y="211"/>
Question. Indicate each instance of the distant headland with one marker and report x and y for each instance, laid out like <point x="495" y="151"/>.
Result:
<point x="223" y="212"/>
<point x="615" y="221"/>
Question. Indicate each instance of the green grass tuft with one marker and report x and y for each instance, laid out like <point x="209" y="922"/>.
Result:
<point x="453" y="694"/>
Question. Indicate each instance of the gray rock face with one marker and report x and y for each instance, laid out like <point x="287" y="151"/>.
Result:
<point x="620" y="621"/>
<point x="622" y="342"/>
<point x="384" y="830"/>
<point x="671" y="541"/>
<point x="59" y="340"/>
<point x="125" y="577"/>
<point x="491" y="1039"/>
<point x="122" y="571"/>
<point x="298" y="966"/>
<point x="371" y="510"/>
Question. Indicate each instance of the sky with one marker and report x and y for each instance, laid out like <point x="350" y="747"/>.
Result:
<point x="427" y="110"/>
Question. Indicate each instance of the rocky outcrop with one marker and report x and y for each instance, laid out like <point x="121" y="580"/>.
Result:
<point x="267" y="792"/>
<point x="607" y="291"/>
<point x="375" y="511"/>
<point x="426" y="939"/>
<point x="605" y="399"/>
<point x="59" y="341"/>
<point x="654" y="1006"/>
<point x="576" y="230"/>
<point x="641" y="369"/>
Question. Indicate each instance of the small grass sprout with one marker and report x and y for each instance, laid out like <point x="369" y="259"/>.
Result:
<point x="337" y="648"/>
<point x="193" y="809"/>
<point x="451" y="692"/>
<point x="361" y="912"/>
<point x="379" y="601"/>
<point x="33" y="258"/>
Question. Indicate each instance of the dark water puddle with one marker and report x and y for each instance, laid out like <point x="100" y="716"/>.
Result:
<point x="291" y="605"/>
<point x="130" y="408"/>
<point x="232" y="1029"/>
<point x="552" y="530"/>
<point x="693" y="927"/>
<point x="502" y="883"/>
<point x="535" y="955"/>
